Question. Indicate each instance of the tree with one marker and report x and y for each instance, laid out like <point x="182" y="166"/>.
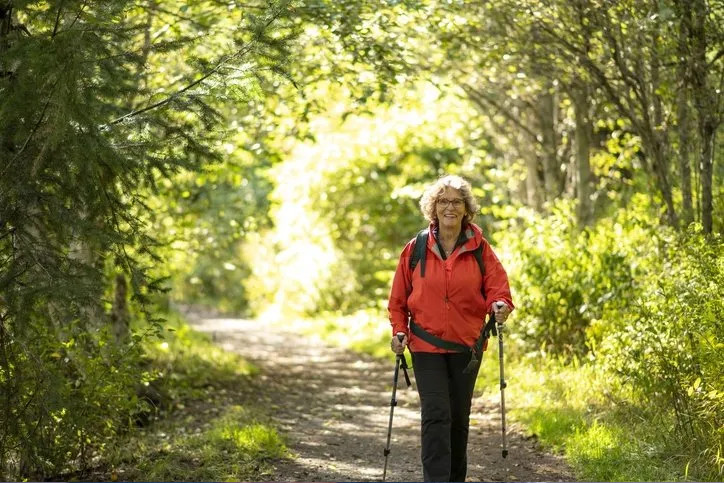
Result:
<point x="79" y="137"/>
<point x="701" y="32"/>
<point x="634" y="64"/>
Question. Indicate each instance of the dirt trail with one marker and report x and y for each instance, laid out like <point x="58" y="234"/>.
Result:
<point x="333" y="407"/>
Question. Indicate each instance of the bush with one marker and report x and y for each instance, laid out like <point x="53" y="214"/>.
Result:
<point x="642" y="303"/>
<point x="667" y="349"/>
<point x="67" y="393"/>
<point x="566" y="279"/>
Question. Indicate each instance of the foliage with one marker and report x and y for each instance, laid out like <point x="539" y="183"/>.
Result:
<point x="569" y="280"/>
<point x="67" y="395"/>
<point x="569" y="407"/>
<point x="204" y="217"/>
<point x="205" y="434"/>
<point x="660" y="335"/>
<point x="271" y="154"/>
<point x="667" y="349"/>
<point x="99" y="100"/>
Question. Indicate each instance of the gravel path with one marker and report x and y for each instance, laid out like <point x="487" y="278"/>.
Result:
<point x="333" y="408"/>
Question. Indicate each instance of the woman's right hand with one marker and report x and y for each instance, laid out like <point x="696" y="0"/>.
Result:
<point x="397" y="346"/>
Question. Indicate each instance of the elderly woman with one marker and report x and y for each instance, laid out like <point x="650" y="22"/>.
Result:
<point x="439" y="302"/>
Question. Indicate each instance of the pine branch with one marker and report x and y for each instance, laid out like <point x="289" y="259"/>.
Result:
<point x="57" y="19"/>
<point x="34" y="130"/>
<point x="225" y="60"/>
<point x="77" y="16"/>
<point x="178" y="93"/>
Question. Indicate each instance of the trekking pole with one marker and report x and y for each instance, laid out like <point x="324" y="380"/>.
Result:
<point x="400" y="362"/>
<point x="503" y="384"/>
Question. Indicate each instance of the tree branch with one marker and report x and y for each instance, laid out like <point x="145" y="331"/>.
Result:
<point x="33" y="131"/>
<point x="581" y="56"/>
<point x="480" y="99"/>
<point x="217" y="67"/>
<point x="178" y="93"/>
<point x="77" y="16"/>
<point x="718" y="56"/>
<point x="57" y="19"/>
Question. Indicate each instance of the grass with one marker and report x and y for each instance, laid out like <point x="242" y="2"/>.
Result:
<point x="187" y="362"/>
<point x="234" y="446"/>
<point x="211" y="427"/>
<point x="570" y="409"/>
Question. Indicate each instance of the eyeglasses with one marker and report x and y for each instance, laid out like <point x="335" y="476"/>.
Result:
<point x="456" y="203"/>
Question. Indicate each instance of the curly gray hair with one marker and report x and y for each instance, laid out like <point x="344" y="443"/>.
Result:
<point x="433" y="192"/>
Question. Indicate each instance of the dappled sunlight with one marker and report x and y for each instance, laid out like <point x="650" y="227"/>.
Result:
<point x="266" y="160"/>
<point x="333" y="464"/>
<point x="332" y="406"/>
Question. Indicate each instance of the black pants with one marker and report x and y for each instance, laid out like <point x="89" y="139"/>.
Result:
<point x="445" y="395"/>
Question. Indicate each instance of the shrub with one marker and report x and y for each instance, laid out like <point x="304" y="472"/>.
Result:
<point x="667" y="349"/>
<point x="566" y="279"/>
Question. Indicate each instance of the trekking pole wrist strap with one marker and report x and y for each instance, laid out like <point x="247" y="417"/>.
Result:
<point x="404" y="367"/>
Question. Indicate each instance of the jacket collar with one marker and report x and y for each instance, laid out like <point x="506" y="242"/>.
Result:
<point x="471" y="236"/>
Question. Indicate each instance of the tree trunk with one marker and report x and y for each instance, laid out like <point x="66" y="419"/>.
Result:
<point x="532" y="184"/>
<point x="8" y="395"/>
<point x="656" y="150"/>
<point x="535" y="195"/>
<point x="119" y="313"/>
<point x="707" y="131"/>
<point x="682" y="107"/>
<point x="706" y="100"/>
<point x="6" y="24"/>
<point x="658" y="131"/>
<point x="583" y="148"/>
<point x="547" y="111"/>
<point x="684" y="156"/>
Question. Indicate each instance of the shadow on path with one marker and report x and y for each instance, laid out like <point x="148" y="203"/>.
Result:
<point x="332" y="406"/>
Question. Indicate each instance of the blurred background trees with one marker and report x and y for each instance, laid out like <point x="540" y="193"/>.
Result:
<point x="267" y="158"/>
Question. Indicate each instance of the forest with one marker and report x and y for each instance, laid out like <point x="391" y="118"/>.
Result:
<point x="266" y="159"/>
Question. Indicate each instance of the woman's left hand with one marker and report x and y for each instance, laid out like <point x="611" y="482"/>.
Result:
<point x="501" y="311"/>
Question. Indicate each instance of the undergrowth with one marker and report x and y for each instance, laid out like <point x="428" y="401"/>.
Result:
<point x="205" y="424"/>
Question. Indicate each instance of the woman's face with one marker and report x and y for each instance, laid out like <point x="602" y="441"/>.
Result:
<point x="450" y="209"/>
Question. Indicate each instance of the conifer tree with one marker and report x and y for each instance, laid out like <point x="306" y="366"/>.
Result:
<point x="98" y="99"/>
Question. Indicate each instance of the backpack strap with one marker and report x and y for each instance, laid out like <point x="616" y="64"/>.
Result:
<point x="476" y="351"/>
<point x="478" y="252"/>
<point x="419" y="254"/>
<point x="435" y="340"/>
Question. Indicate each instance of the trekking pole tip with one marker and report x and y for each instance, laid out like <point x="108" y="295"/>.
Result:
<point x="505" y="453"/>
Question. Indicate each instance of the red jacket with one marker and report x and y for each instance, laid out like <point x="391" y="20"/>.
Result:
<point x="448" y="301"/>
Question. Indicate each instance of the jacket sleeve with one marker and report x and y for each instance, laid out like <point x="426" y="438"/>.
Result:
<point x="398" y="312"/>
<point x="496" y="279"/>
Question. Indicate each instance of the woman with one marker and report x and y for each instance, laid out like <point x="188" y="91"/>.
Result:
<point x="440" y="306"/>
